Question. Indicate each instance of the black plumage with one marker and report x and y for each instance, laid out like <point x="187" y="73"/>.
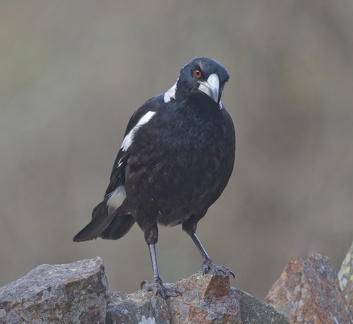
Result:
<point x="176" y="159"/>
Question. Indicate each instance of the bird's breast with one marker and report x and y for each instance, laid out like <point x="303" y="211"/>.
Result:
<point x="177" y="169"/>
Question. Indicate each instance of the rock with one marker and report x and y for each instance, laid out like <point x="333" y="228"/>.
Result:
<point x="308" y="292"/>
<point x="61" y="293"/>
<point x="77" y="293"/>
<point x="345" y="277"/>
<point x="138" y="307"/>
<point x="205" y="299"/>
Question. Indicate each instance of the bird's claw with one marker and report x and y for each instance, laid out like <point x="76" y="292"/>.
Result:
<point x="208" y="266"/>
<point x="159" y="289"/>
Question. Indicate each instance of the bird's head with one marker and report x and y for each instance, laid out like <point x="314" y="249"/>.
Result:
<point x="204" y="76"/>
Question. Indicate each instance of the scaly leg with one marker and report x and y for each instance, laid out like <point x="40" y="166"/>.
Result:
<point x="157" y="286"/>
<point x="207" y="264"/>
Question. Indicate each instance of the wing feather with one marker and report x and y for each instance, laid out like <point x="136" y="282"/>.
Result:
<point x="117" y="177"/>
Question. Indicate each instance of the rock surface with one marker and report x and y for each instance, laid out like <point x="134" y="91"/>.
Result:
<point x="78" y="293"/>
<point x="308" y="292"/>
<point x="345" y="277"/>
<point x="205" y="299"/>
<point x="61" y="293"/>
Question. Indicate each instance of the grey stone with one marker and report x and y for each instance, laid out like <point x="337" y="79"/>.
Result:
<point x="205" y="299"/>
<point x="61" y="293"/>
<point x="77" y="293"/>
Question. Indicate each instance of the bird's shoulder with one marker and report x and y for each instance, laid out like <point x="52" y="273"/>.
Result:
<point x="152" y="105"/>
<point x="148" y="109"/>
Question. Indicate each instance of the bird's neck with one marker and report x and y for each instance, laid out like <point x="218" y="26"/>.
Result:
<point x="200" y="106"/>
<point x="194" y="123"/>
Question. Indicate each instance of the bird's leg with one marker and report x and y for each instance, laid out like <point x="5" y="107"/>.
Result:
<point x="207" y="264"/>
<point x="153" y="255"/>
<point x="157" y="286"/>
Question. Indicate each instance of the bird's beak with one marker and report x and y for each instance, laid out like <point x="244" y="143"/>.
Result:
<point x="211" y="87"/>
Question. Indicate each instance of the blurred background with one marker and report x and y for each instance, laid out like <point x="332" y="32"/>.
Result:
<point x="73" y="72"/>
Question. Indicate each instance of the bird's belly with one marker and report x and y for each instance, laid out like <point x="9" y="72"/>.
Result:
<point x="172" y="217"/>
<point x="174" y="186"/>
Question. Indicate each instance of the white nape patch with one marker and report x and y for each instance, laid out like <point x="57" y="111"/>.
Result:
<point x="221" y="106"/>
<point x="129" y="137"/>
<point x="170" y="94"/>
<point x="117" y="197"/>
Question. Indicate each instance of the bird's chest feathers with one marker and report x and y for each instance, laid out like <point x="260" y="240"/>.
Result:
<point x="177" y="159"/>
<point x="187" y="130"/>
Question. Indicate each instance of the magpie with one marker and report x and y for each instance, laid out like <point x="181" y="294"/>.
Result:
<point x="175" y="160"/>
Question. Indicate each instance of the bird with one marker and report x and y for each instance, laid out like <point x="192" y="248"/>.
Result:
<point x="176" y="158"/>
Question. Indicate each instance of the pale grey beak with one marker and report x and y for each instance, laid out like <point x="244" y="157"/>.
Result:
<point x="211" y="87"/>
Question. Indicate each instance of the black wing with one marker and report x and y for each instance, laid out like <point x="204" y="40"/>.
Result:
<point x="117" y="176"/>
<point x="108" y="222"/>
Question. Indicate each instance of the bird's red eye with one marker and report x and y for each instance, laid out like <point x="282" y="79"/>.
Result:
<point x="197" y="74"/>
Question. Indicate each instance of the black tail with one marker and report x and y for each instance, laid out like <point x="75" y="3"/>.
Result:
<point x="118" y="227"/>
<point x="106" y="224"/>
<point x="100" y="221"/>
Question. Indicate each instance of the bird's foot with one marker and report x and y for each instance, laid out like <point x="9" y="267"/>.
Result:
<point x="208" y="266"/>
<point x="158" y="288"/>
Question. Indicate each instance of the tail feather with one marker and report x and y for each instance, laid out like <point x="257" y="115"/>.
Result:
<point x="101" y="219"/>
<point x="105" y="223"/>
<point x="118" y="227"/>
<point x="93" y="229"/>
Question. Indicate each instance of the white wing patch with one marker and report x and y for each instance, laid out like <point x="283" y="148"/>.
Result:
<point x="117" y="197"/>
<point x="130" y="136"/>
<point x="170" y="94"/>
